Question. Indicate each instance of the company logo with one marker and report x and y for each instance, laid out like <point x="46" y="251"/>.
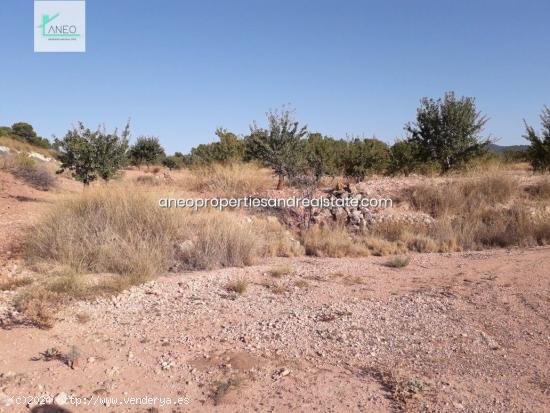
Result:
<point x="60" y="26"/>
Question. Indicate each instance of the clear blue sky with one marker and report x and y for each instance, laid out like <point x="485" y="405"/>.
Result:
<point x="179" y="69"/>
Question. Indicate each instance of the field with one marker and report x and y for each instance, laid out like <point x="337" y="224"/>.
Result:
<point x="439" y="303"/>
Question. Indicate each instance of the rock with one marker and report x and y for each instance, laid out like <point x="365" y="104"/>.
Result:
<point x="5" y="400"/>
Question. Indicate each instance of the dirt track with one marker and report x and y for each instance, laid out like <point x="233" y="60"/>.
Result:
<point x="458" y="332"/>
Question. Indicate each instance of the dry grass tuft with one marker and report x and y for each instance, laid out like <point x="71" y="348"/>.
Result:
<point x="218" y="239"/>
<point x="107" y="230"/>
<point x="332" y="242"/>
<point x="150" y="180"/>
<point x="280" y="271"/>
<point x="14" y="283"/>
<point x="238" y="285"/>
<point x="398" y="262"/>
<point x="540" y="190"/>
<point x="230" y="180"/>
<point x="301" y="284"/>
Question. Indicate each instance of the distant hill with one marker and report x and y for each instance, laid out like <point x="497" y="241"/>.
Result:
<point x="493" y="148"/>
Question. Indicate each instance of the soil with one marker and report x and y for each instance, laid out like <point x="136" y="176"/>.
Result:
<point x="454" y="332"/>
<point x="448" y="333"/>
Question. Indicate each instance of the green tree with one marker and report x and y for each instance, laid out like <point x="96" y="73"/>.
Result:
<point x="403" y="158"/>
<point x="25" y="132"/>
<point x="92" y="154"/>
<point x="538" y="152"/>
<point x="229" y="149"/>
<point x="448" y="130"/>
<point x="147" y="150"/>
<point x="364" y="157"/>
<point x="321" y="155"/>
<point x="280" y="146"/>
<point x="172" y="162"/>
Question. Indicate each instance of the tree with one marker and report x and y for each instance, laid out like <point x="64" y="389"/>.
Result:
<point x="230" y="148"/>
<point x="321" y="155"/>
<point x="25" y="132"/>
<point x="92" y="154"/>
<point x="365" y="156"/>
<point x="402" y="158"/>
<point x="448" y="131"/>
<point x="147" y="150"/>
<point x="280" y="146"/>
<point x="538" y="152"/>
<point x="172" y="162"/>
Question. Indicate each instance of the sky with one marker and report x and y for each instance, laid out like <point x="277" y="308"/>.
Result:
<point x="180" y="69"/>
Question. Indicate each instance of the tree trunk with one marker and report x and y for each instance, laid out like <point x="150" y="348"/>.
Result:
<point x="280" y="182"/>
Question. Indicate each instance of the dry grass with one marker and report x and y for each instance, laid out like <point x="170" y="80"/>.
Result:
<point x="480" y="212"/>
<point x="14" y="283"/>
<point x="150" y="180"/>
<point x="282" y="243"/>
<point x="540" y="190"/>
<point x="281" y="271"/>
<point x="238" y="285"/>
<point x="109" y="238"/>
<point x="456" y="196"/>
<point x="332" y="242"/>
<point x="338" y="242"/>
<point x="398" y="262"/>
<point x="223" y="239"/>
<point x="301" y="284"/>
<point x="34" y="173"/>
<point x="230" y="180"/>
<point x="107" y="230"/>
<point x="19" y="146"/>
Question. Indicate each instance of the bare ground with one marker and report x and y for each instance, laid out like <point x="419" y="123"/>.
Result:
<point x="453" y="332"/>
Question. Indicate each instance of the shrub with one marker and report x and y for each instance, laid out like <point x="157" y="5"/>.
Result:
<point x="89" y="155"/>
<point x="448" y="131"/>
<point x="25" y="132"/>
<point x="398" y="262"/>
<point x="364" y="157"/>
<point x="24" y="167"/>
<point x="402" y="158"/>
<point x="147" y="150"/>
<point x="172" y="162"/>
<point x="229" y="149"/>
<point x="239" y="285"/>
<point x="280" y="146"/>
<point x="538" y="152"/>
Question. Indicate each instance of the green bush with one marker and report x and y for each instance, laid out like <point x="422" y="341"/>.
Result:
<point x="538" y="152"/>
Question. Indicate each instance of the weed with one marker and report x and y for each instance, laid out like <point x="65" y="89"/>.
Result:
<point x="398" y="262"/>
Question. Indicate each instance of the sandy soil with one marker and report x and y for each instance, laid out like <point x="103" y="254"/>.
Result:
<point x="458" y="332"/>
<point x="448" y="333"/>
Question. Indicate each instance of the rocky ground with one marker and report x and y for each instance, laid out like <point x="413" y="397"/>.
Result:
<point x="448" y="333"/>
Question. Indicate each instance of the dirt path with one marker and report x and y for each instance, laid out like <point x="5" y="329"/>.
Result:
<point x="459" y="332"/>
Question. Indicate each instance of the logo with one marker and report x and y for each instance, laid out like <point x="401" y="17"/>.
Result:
<point x="60" y="26"/>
